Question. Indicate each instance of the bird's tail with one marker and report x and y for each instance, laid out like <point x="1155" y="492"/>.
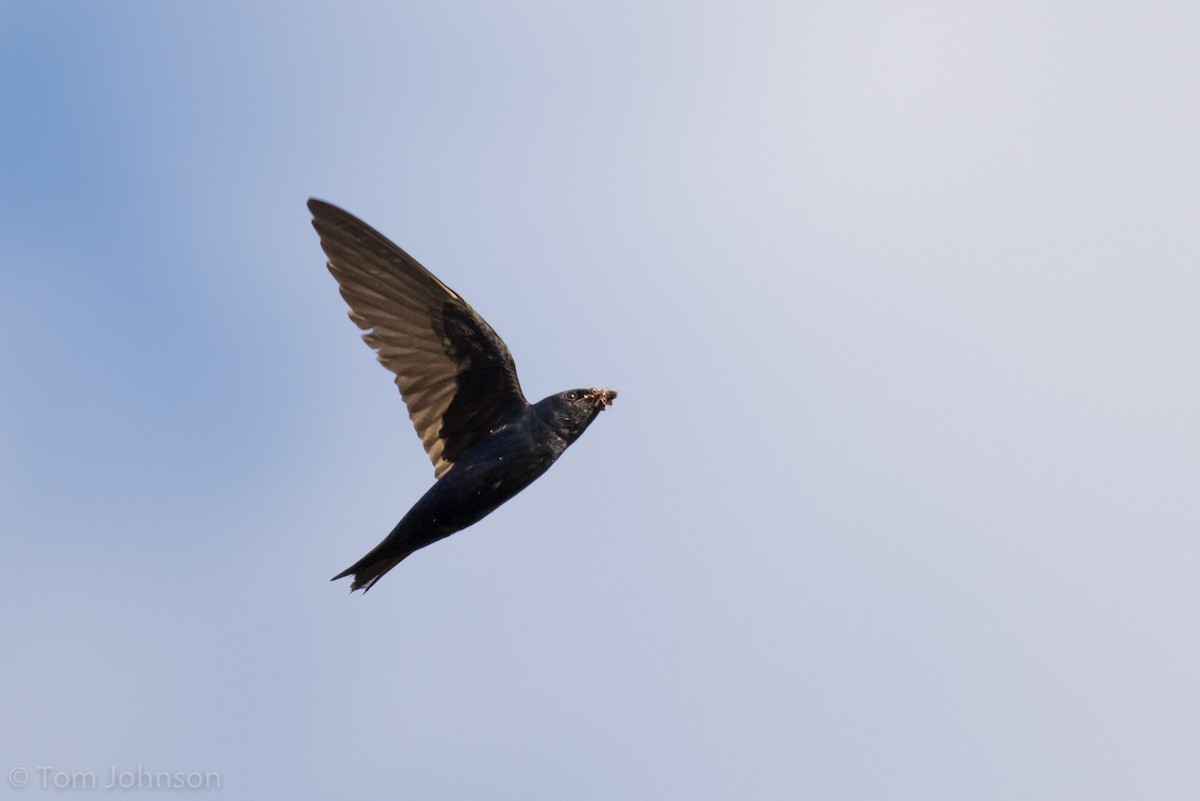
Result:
<point x="368" y="570"/>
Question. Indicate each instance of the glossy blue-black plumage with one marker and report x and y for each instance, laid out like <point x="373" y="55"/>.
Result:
<point x="487" y="475"/>
<point x="456" y="376"/>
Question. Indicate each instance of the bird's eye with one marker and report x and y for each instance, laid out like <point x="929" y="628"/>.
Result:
<point x="572" y="395"/>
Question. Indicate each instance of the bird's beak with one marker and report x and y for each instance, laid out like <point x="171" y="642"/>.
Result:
<point x="602" y="398"/>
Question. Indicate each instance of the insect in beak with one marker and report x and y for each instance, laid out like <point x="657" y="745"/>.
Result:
<point x="603" y="397"/>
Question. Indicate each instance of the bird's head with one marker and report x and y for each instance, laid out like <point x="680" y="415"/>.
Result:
<point x="570" y="412"/>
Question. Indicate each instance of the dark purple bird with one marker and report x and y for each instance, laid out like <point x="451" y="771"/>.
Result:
<point x="456" y="376"/>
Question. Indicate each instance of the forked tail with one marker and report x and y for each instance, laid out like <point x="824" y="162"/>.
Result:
<point x="368" y="570"/>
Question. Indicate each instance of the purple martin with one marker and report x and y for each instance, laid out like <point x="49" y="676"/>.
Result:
<point x="459" y="382"/>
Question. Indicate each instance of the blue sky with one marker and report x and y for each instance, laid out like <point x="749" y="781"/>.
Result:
<point x="899" y="497"/>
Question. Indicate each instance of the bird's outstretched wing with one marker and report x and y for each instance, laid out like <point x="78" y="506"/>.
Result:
<point x="455" y="374"/>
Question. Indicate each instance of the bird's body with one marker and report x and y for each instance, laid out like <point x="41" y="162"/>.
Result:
<point x="458" y="379"/>
<point x="483" y="479"/>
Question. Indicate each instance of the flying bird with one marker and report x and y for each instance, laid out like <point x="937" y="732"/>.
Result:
<point x="459" y="382"/>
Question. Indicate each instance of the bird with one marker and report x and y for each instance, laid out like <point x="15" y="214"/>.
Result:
<point x="459" y="383"/>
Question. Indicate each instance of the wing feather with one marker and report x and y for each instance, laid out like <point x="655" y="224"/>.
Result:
<point x="454" y="373"/>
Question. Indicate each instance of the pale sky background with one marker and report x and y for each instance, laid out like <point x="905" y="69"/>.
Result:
<point x="899" y="499"/>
